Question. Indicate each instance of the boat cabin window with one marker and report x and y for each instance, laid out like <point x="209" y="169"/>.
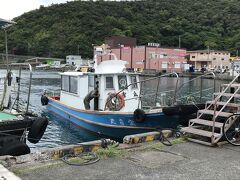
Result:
<point x="134" y="80"/>
<point x="73" y="84"/>
<point x="65" y="83"/>
<point x="91" y="81"/>
<point x="122" y="81"/>
<point x="109" y="82"/>
<point x="69" y="84"/>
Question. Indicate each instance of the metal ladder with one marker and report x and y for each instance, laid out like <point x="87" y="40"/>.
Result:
<point x="207" y="127"/>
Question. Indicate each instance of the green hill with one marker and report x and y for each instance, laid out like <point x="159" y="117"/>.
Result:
<point x="59" y="30"/>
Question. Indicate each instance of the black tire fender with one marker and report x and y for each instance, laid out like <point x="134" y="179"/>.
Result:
<point x="44" y="100"/>
<point x="37" y="129"/>
<point x="139" y="115"/>
<point x="15" y="149"/>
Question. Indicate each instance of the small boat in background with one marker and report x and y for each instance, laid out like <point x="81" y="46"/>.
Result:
<point x="117" y="108"/>
<point x="17" y="124"/>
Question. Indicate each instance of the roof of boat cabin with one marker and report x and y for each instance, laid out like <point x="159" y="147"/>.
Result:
<point x="75" y="73"/>
<point x="105" y="68"/>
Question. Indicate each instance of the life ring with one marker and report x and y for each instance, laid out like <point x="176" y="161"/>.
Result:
<point x="44" y="100"/>
<point x="37" y="129"/>
<point x="139" y="115"/>
<point x="115" y="102"/>
<point x="15" y="148"/>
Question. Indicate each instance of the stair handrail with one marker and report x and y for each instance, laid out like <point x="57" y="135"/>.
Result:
<point x="215" y="104"/>
<point x="198" y="77"/>
<point x="220" y="95"/>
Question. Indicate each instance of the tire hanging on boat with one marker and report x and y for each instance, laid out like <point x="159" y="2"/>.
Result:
<point x="115" y="102"/>
<point x="37" y="130"/>
<point x="44" y="100"/>
<point x="139" y="115"/>
<point x="15" y="148"/>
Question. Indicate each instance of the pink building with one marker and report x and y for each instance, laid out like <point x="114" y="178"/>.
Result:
<point x="150" y="57"/>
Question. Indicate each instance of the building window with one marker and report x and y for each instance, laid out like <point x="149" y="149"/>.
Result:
<point x="109" y="82"/>
<point x="214" y="58"/>
<point x="201" y="53"/>
<point x="193" y="56"/>
<point x="122" y="82"/>
<point x="134" y="80"/>
<point x="152" y="55"/>
<point x="177" y="65"/>
<point x="222" y="59"/>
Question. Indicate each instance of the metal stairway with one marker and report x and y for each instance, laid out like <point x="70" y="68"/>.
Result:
<point x="207" y="127"/>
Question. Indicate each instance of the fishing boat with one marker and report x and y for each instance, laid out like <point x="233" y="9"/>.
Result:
<point x="108" y="100"/>
<point x="17" y="123"/>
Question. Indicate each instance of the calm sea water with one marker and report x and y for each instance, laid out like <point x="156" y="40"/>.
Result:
<point x="61" y="132"/>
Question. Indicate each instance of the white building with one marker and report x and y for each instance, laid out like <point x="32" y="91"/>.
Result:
<point x="75" y="60"/>
<point x="210" y="59"/>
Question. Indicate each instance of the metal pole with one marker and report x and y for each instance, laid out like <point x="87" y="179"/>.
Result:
<point x="6" y="48"/>
<point x="19" y="85"/>
<point x="120" y="52"/>
<point x="201" y="84"/>
<point x="131" y="57"/>
<point x="29" y="87"/>
<point x="157" y="91"/>
<point x="145" y="57"/>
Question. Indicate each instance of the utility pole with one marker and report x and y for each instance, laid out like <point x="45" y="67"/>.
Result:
<point x="179" y="42"/>
<point x="208" y="50"/>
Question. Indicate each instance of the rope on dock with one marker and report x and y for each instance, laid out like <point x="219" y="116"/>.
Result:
<point x="85" y="158"/>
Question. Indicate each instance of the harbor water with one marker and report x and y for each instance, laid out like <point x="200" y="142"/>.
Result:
<point x="61" y="132"/>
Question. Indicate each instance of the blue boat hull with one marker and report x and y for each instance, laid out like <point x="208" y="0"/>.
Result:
<point x="112" y="124"/>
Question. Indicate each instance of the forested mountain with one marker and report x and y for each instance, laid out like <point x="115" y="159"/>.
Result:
<point x="59" y="30"/>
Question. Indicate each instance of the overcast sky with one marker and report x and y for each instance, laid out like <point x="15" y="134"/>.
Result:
<point x="13" y="8"/>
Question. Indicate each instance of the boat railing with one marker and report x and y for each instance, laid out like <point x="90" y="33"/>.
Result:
<point x="200" y="92"/>
<point x="139" y="97"/>
<point x="17" y="99"/>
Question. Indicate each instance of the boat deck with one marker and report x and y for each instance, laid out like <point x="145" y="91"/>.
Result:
<point x="6" y="116"/>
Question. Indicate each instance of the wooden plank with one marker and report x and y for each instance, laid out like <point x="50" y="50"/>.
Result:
<point x="227" y="94"/>
<point x="211" y="112"/>
<point x="223" y="103"/>
<point x="206" y="122"/>
<point x="232" y="85"/>
<point x="199" y="132"/>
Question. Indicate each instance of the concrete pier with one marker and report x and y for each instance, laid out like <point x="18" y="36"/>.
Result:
<point x="5" y="174"/>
